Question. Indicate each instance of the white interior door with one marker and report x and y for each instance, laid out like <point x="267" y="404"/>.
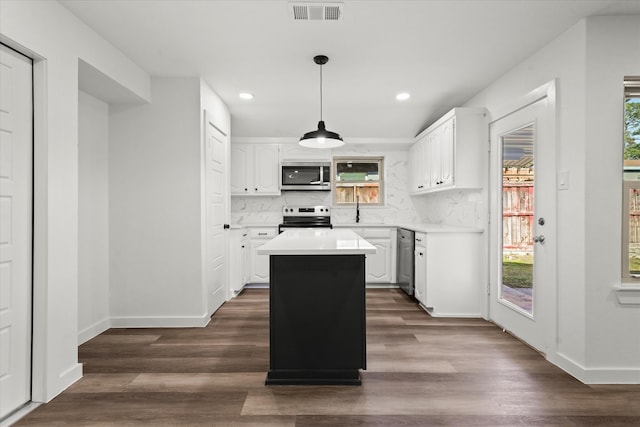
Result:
<point x="523" y="221"/>
<point x="16" y="152"/>
<point x="216" y="144"/>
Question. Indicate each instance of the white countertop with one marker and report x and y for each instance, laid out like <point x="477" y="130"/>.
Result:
<point x="317" y="241"/>
<point x="422" y="228"/>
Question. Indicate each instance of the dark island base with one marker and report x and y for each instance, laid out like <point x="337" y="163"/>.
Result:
<point x="289" y="377"/>
<point x="317" y="319"/>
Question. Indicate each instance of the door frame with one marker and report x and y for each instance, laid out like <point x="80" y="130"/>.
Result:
<point x="549" y="327"/>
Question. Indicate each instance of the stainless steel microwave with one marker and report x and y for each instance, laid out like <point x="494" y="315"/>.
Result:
<point x="305" y="176"/>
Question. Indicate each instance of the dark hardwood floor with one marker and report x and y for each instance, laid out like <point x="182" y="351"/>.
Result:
<point x="421" y="371"/>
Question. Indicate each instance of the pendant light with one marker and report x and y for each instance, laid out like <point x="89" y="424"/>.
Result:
<point x="321" y="138"/>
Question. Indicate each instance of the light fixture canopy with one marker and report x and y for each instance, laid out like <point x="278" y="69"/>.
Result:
<point x="321" y="138"/>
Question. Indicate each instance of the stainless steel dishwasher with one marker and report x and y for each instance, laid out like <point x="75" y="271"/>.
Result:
<point x="405" y="260"/>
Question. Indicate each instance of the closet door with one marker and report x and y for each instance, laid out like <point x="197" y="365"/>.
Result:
<point x="16" y="213"/>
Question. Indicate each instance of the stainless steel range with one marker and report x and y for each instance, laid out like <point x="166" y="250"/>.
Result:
<point x="305" y="217"/>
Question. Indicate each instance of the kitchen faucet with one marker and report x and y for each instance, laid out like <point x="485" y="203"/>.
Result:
<point x="357" y="209"/>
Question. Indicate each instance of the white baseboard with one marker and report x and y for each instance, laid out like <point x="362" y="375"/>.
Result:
<point x="160" y="322"/>
<point x="381" y="285"/>
<point x="93" y="331"/>
<point x="64" y="381"/>
<point x="596" y="375"/>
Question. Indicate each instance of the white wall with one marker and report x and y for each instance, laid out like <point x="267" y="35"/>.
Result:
<point x="596" y="340"/>
<point x="93" y="217"/>
<point x="57" y="39"/>
<point x="613" y="51"/>
<point x="155" y="208"/>
<point x="399" y="206"/>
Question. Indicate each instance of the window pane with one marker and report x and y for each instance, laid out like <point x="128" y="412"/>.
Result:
<point x="631" y="187"/>
<point x="352" y="171"/>
<point x="368" y="193"/>
<point x="634" y="230"/>
<point x="345" y="194"/>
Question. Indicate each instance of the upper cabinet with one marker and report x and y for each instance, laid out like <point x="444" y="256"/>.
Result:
<point x="450" y="153"/>
<point x="255" y="169"/>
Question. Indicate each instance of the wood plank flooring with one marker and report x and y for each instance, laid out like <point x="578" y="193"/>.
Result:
<point x="422" y="371"/>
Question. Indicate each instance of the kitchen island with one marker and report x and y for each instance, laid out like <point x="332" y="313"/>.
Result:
<point x="317" y="306"/>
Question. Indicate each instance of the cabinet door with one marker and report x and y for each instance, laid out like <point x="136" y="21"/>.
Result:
<point x="378" y="265"/>
<point x="235" y="261"/>
<point x="425" y="159"/>
<point x="447" y="153"/>
<point x="241" y="168"/>
<point x="415" y="164"/>
<point x="420" y="258"/>
<point x="421" y="176"/>
<point x="267" y="169"/>
<point x="435" y="157"/>
<point x="259" y="263"/>
<point x="245" y="255"/>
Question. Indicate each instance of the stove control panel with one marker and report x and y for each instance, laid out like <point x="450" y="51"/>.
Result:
<point x="306" y="211"/>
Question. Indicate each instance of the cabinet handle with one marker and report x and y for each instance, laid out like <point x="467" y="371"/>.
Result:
<point x="246" y="189"/>
<point x="418" y="240"/>
<point x="242" y="246"/>
<point x="262" y="234"/>
<point x="244" y="235"/>
<point x="420" y="186"/>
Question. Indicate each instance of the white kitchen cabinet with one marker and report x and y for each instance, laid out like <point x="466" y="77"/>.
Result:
<point x="420" y="262"/>
<point x="420" y="172"/>
<point x="451" y="153"/>
<point x="239" y="260"/>
<point x="259" y="264"/>
<point x="255" y="169"/>
<point x="381" y="266"/>
<point x="448" y="274"/>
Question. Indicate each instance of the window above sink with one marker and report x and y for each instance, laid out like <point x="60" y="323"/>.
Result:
<point x="358" y="179"/>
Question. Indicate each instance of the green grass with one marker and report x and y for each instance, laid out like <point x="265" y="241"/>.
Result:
<point x="517" y="274"/>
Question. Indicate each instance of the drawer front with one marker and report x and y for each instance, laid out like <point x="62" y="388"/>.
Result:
<point x="263" y="233"/>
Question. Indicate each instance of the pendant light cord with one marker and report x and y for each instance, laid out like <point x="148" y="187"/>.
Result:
<point x="320" y="92"/>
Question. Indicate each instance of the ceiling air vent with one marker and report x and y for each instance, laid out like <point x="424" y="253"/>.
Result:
<point x="316" y="11"/>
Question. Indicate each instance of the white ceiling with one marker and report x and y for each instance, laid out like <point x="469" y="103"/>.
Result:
<point x="442" y="52"/>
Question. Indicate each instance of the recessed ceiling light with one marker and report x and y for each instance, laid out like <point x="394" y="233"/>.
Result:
<point x="403" y="96"/>
<point x="246" y="95"/>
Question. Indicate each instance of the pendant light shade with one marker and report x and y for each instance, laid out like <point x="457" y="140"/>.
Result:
<point x="321" y="138"/>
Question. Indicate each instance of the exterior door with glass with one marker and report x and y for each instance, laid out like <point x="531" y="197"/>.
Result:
<point x="522" y="221"/>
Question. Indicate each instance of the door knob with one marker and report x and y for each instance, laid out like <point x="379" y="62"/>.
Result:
<point x="538" y="239"/>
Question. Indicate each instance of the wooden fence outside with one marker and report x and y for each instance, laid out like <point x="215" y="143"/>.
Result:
<point x="517" y="215"/>
<point x="634" y="217"/>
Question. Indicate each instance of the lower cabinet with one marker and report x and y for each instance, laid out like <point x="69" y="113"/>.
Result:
<point x="259" y="264"/>
<point x="381" y="266"/>
<point x="239" y="260"/>
<point x="420" y="262"/>
<point x="448" y="274"/>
